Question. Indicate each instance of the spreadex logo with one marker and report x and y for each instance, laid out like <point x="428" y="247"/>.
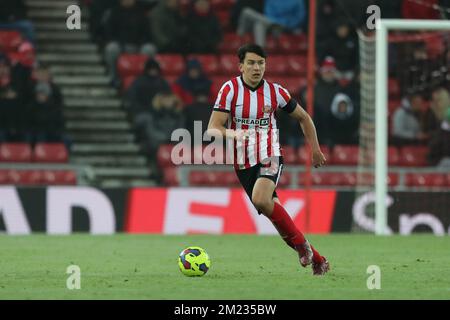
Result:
<point x="263" y="122"/>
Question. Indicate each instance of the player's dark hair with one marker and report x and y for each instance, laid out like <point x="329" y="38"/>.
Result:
<point x="253" y="48"/>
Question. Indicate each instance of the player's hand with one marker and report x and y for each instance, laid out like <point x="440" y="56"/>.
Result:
<point x="318" y="159"/>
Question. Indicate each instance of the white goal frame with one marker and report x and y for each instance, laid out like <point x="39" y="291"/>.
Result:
<point x="383" y="26"/>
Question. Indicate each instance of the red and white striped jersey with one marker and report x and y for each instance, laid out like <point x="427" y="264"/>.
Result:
<point x="253" y="109"/>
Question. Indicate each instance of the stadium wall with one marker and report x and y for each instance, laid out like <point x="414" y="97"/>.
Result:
<point x="65" y="210"/>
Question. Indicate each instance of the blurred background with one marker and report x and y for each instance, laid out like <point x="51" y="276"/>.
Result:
<point x="97" y="106"/>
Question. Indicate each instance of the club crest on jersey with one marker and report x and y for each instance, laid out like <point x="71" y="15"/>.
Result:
<point x="267" y="108"/>
<point x="263" y="122"/>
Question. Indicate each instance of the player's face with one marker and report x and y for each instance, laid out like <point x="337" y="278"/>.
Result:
<point x="252" y="68"/>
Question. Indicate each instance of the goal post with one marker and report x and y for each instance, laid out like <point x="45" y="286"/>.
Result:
<point x="383" y="26"/>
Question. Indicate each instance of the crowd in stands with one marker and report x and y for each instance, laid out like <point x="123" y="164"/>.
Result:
<point x="159" y="100"/>
<point x="30" y="103"/>
<point x="170" y="57"/>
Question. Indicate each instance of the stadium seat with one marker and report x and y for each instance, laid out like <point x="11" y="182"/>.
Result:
<point x="349" y="179"/>
<point x="291" y="84"/>
<point x="229" y="65"/>
<point x="425" y="180"/>
<point x="322" y="179"/>
<point x="224" y="19"/>
<point x="15" y="152"/>
<point x="393" y="88"/>
<point x="25" y="55"/>
<point x="171" y="64"/>
<point x="303" y="154"/>
<point x="285" y="180"/>
<point x="222" y="4"/>
<point x="50" y="152"/>
<point x="345" y="155"/>
<point x="4" y="176"/>
<point x="230" y="179"/>
<point x="170" y="177"/>
<point x="271" y="46"/>
<point x="393" y="156"/>
<point x="393" y="104"/>
<point x="164" y="155"/>
<point x="127" y="81"/>
<point x="209" y="62"/>
<point x="10" y="40"/>
<point x="297" y="65"/>
<point x="31" y="177"/>
<point x="277" y="66"/>
<point x="413" y="156"/>
<point x="289" y="155"/>
<point x="293" y="44"/>
<point x="59" y="177"/>
<point x="232" y="41"/>
<point x="435" y="45"/>
<point x="217" y="82"/>
<point x="393" y="179"/>
<point x="131" y="64"/>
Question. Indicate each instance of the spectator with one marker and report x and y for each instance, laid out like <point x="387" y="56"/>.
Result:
<point x="406" y="124"/>
<point x="344" y="122"/>
<point x="440" y="142"/>
<point x="326" y="14"/>
<point x="325" y="90"/>
<point x="169" y="27"/>
<point x="191" y="81"/>
<point x="42" y="75"/>
<point x="139" y="95"/>
<point x="45" y="120"/>
<point x="279" y="16"/>
<point x="199" y="110"/>
<point x="204" y="31"/>
<point x="343" y="46"/>
<point x="99" y="14"/>
<point x="13" y="16"/>
<point x="10" y="106"/>
<point x="127" y="31"/>
<point x="240" y="5"/>
<point x="440" y="103"/>
<point x="165" y="116"/>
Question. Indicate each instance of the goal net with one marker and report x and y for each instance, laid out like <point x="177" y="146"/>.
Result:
<point x="403" y="180"/>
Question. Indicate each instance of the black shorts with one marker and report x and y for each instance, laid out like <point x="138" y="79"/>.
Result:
<point x="271" y="170"/>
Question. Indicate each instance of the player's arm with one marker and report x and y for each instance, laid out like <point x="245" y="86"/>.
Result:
<point x="309" y="130"/>
<point x="217" y="129"/>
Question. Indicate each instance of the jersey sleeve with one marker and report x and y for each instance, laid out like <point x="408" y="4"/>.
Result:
<point x="283" y="96"/>
<point x="224" y="97"/>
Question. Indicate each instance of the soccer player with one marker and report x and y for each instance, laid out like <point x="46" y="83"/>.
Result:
<point x="248" y="103"/>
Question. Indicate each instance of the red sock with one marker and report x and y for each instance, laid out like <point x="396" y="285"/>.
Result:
<point x="286" y="227"/>
<point x="317" y="258"/>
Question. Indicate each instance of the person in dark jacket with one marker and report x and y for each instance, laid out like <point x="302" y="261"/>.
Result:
<point x="191" y="81"/>
<point x="169" y="27"/>
<point x="204" y="31"/>
<point x="139" y="95"/>
<point x="128" y="30"/>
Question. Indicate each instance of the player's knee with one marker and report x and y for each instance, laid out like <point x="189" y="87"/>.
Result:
<point x="262" y="203"/>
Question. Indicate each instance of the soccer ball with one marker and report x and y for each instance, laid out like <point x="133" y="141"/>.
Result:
<point x="194" y="261"/>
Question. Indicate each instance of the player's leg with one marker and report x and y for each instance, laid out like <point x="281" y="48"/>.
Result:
<point x="262" y="198"/>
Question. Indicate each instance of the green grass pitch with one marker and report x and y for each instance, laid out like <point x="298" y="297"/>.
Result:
<point x="243" y="267"/>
